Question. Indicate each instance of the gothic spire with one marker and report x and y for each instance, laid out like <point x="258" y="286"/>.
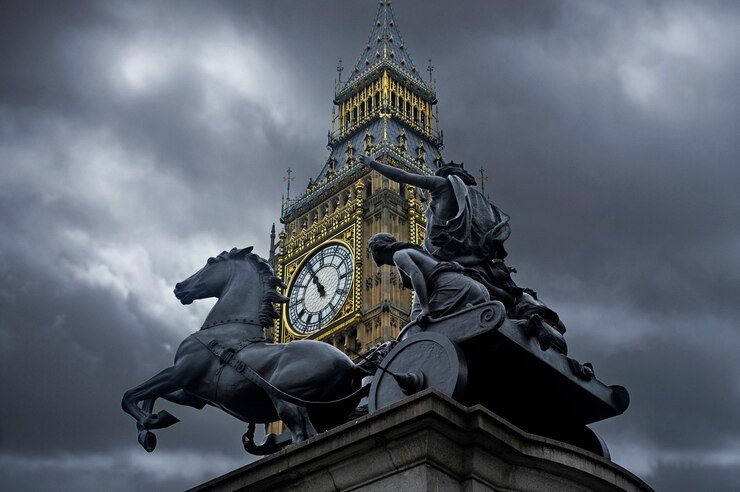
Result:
<point x="273" y="248"/>
<point x="383" y="107"/>
<point x="385" y="47"/>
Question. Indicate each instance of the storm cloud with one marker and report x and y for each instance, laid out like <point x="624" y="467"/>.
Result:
<point x="139" y="138"/>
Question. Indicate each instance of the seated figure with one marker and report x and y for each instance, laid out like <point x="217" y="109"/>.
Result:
<point x="441" y="287"/>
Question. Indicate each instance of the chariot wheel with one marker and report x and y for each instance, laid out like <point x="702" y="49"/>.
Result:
<point x="426" y="360"/>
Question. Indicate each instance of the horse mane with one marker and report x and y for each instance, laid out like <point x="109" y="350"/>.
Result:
<point x="270" y="282"/>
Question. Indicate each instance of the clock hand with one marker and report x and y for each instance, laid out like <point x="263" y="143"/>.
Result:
<point x="320" y="287"/>
<point x="315" y="280"/>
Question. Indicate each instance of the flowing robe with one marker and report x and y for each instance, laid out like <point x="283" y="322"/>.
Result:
<point x="474" y="235"/>
<point x="474" y="238"/>
<point x="450" y="290"/>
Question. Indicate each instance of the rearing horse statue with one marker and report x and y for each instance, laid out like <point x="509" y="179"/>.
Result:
<point x="229" y="364"/>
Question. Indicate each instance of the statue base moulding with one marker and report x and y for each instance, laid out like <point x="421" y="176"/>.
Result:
<point x="430" y="442"/>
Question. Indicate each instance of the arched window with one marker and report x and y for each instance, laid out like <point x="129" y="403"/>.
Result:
<point x="393" y="100"/>
<point x="368" y="187"/>
<point x="377" y="99"/>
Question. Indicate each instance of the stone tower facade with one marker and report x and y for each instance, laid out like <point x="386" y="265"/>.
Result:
<point x="386" y="110"/>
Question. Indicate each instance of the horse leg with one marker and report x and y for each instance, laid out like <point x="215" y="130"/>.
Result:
<point x="180" y="397"/>
<point x="307" y="425"/>
<point x="270" y="444"/>
<point x="146" y="438"/>
<point x="295" y="418"/>
<point x="161" y="384"/>
<point x="186" y="399"/>
<point x="147" y="406"/>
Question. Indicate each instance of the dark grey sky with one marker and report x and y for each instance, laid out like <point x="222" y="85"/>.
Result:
<point x="139" y="138"/>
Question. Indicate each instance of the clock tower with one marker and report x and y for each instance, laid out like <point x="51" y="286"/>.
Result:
<point x="384" y="109"/>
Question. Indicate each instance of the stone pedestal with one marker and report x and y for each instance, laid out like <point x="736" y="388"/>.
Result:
<point x="429" y="442"/>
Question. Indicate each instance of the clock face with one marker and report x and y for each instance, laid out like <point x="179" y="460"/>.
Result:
<point x="320" y="288"/>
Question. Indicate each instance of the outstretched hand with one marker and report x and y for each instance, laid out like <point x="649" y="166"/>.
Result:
<point x="368" y="161"/>
<point x="364" y="160"/>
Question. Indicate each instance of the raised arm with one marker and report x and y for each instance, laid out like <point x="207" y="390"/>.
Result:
<point x="399" y="176"/>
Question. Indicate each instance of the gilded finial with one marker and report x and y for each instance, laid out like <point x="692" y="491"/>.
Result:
<point x="288" y="178"/>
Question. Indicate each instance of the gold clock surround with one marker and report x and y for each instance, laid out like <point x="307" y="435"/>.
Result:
<point x="347" y="305"/>
<point x="343" y="226"/>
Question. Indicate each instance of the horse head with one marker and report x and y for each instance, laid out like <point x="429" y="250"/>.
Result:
<point x="239" y="271"/>
<point x="210" y="280"/>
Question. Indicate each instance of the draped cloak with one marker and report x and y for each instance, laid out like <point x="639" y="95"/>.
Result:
<point x="474" y="238"/>
<point x="474" y="235"/>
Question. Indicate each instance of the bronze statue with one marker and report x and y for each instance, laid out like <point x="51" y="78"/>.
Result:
<point x="475" y="336"/>
<point x="440" y="287"/>
<point x="464" y="227"/>
<point x="229" y="364"/>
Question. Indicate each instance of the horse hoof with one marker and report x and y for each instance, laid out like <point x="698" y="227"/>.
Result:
<point x="160" y="421"/>
<point x="166" y="419"/>
<point x="269" y="446"/>
<point x="147" y="440"/>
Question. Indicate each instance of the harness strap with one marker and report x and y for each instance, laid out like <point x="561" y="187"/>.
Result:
<point x="243" y="321"/>
<point x="226" y="356"/>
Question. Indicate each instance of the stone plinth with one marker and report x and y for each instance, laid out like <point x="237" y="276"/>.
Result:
<point x="429" y="442"/>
